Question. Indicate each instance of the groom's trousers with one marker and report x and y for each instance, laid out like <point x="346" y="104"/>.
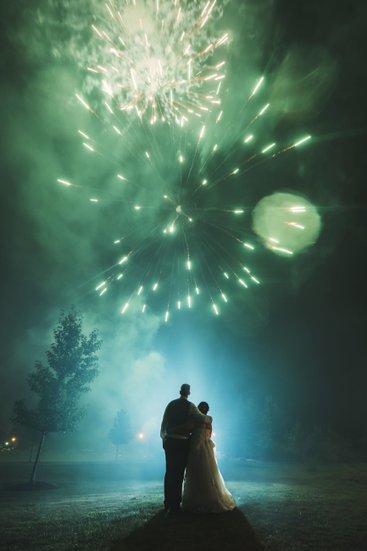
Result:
<point x="177" y="452"/>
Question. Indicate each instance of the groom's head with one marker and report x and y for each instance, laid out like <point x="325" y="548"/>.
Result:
<point x="185" y="390"/>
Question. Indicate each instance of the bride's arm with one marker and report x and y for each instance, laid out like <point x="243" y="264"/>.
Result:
<point x="188" y="425"/>
<point x="195" y="418"/>
<point x="208" y="424"/>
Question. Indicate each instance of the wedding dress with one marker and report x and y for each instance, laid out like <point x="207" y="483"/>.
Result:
<point x="204" y="488"/>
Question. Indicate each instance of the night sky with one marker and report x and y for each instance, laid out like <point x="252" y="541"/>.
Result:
<point x="299" y="337"/>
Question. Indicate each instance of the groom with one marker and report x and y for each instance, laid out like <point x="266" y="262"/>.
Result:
<point x="176" y="446"/>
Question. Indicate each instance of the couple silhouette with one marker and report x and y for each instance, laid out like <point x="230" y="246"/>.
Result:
<point x="190" y="459"/>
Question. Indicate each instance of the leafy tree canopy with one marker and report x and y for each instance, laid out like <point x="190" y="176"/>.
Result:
<point x="72" y="364"/>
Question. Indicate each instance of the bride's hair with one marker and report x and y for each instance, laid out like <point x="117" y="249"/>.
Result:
<point x="203" y="407"/>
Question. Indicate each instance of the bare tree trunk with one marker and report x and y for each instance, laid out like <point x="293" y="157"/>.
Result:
<point x="32" y="447"/>
<point x="31" y="453"/>
<point x="117" y="452"/>
<point x="35" y="464"/>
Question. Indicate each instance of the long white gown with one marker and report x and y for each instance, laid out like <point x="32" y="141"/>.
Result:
<point x="204" y="488"/>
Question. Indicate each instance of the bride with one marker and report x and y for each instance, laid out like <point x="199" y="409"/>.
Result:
<point x="204" y="488"/>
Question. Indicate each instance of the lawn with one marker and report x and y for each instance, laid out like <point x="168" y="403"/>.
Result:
<point x="118" y="507"/>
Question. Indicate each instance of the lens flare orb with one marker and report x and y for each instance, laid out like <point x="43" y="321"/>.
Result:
<point x="286" y="223"/>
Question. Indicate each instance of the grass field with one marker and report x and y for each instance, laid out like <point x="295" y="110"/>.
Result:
<point x="115" y="507"/>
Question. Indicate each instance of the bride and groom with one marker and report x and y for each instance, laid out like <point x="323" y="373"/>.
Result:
<point x="186" y="432"/>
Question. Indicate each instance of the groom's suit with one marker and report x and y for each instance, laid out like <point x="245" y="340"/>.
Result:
<point x="176" y="447"/>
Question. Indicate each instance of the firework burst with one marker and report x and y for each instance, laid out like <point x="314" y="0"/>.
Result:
<point x="184" y="237"/>
<point x="156" y="58"/>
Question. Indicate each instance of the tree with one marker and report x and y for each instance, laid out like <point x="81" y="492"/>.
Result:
<point x="121" y="431"/>
<point x="71" y="367"/>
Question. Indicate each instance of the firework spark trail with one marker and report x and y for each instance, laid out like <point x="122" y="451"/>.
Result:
<point x="256" y="157"/>
<point x="157" y="58"/>
<point x="195" y="252"/>
<point x="188" y="280"/>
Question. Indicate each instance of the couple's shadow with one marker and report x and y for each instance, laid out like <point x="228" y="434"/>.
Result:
<point x="205" y="532"/>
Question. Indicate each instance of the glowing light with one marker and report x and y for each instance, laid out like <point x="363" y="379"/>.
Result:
<point x="226" y="275"/>
<point x="243" y="283"/>
<point x="117" y="130"/>
<point x="224" y="297"/>
<point x="64" y="182"/>
<point x="189" y="300"/>
<point x="93" y="200"/>
<point x="103" y="291"/>
<point x="125" y="307"/>
<point x="249" y="246"/>
<point x="166" y="316"/>
<point x="197" y="290"/>
<point x="83" y="102"/>
<point x="89" y="147"/>
<point x="268" y="147"/>
<point x="155" y="286"/>
<point x="251" y="275"/>
<point x="302" y="141"/>
<point x="238" y="211"/>
<point x="141" y="436"/>
<point x="109" y="107"/>
<point x="189" y="264"/>
<point x="219" y="116"/>
<point x="123" y="260"/>
<point x="249" y="138"/>
<point x="140" y="290"/>
<point x="216" y="311"/>
<point x="144" y="308"/>
<point x="157" y="65"/>
<point x="263" y="110"/>
<point x="298" y="209"/>
<point x="179" y="305"/>
<point x="122" y="177"/>
<point x="282" y="250"/>
<point x="84" y="135"/>
<point x="257" y="86"/>
<point x="235" y="171"/>
<point x="295" y="225"/>
<point x="119" y="276"/>
<point x="279" y="233"/>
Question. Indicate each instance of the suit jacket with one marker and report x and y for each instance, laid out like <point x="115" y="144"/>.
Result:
<point x="178" y="412"/>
